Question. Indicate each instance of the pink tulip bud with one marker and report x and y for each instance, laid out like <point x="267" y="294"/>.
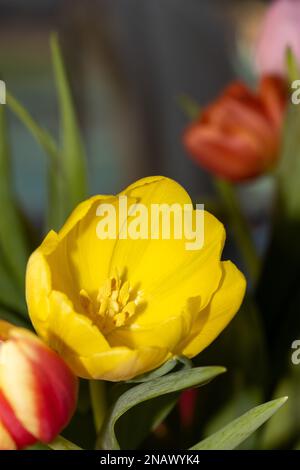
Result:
<point x="38" y="391"/>
<point x="280" y="30"/>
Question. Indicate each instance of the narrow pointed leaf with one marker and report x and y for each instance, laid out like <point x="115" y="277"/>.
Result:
<point x="73" y="160"/>
<point x="13" y="244"/>
<point x="56" y="212"/>
<point x="42" y="137"/>
<point x="232" y="435"/>
<point x="158" y="387"/>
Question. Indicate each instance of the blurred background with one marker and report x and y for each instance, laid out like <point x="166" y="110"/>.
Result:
<point x="129" y="63"/>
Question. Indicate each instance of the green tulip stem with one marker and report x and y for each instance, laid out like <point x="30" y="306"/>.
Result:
<point x="240" y="227"/>
<point x="98" y="402"/>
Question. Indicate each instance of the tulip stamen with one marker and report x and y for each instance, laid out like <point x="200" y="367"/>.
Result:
<point x="113" y="306"/>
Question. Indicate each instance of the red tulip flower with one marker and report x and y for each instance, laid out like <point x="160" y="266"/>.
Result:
<point x="238" y="136"/>
<point x="187" y="407"/>
<point x="38" y="392"/>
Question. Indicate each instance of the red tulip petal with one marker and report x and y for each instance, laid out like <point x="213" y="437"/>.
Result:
<point x="56" y="390"/>
<point x="273" y="92"/>
<point x="238" y="135"/>
<point x="6" y="441"/>
<point x="232" y="157"/>
<point x="18" y="433"/>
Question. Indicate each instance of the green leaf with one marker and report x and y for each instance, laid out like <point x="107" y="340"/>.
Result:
<point x="73" y="159"/>
<point x="13" y="244"/>
<point x="38" y="446"/>
<point x="242" y="399"/>
<point x="283" y="430"/>
<point x="56" y="211"/>
<point x="153" y="413"/>
<point x="182" y="361"/>
<point x="232" y="435"/>
<point x="170" y="383"/>
<point x="61" y="443"/>
<point x="67" y="176"/>
<point x="42" y="137"/>
<point x="292" y="65"/>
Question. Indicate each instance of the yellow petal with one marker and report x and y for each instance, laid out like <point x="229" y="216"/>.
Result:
<point x="17" y="383"/>
<point x="82" y="260"/>
<point x="120" y="363"/>
<point x="86" y="256"/>
<point x="180" y="275"/>
<point x="164" y="271"/>
<point x="39" y="283"/>
<point x="223" y="306"/>
<point x="69" y="331"/>
<point x="79" y="213"/>
<point x="69" y="261"/>
<point x="157" y="189"/>
<point x="6" y="441"/>
<point x="133" y="254"/>
<point x="165" y="334"/>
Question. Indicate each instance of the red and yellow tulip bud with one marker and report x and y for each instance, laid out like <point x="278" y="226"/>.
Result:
<point x="37" y="390"/>
<point x="238" y="136"/>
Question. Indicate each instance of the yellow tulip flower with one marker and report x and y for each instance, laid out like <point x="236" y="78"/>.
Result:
<point x="116" y="308"/>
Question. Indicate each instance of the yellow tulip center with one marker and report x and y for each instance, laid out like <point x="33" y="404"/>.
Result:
<point x="113" y="305"/>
